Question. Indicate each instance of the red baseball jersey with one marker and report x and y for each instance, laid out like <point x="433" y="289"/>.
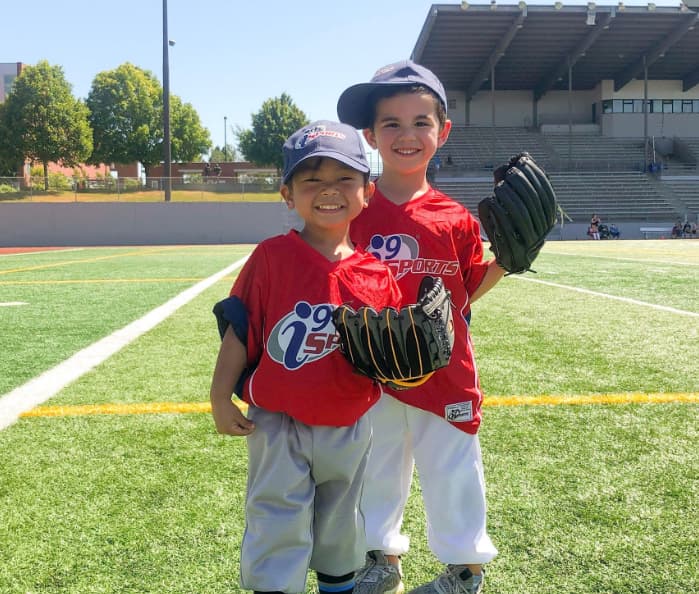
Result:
<point x="289" y="291"/>
<point x="433" y="235"/>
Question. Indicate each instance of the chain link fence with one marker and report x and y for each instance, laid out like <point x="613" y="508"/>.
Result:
<point x="187" y="188"/>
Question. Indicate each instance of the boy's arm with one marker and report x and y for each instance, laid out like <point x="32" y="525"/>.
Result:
<point x="231" y="361"/>
<point x="490" y="279"/>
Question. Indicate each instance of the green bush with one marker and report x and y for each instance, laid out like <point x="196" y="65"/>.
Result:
<point x="7" y="189"/>
<point x="57" y="181"/>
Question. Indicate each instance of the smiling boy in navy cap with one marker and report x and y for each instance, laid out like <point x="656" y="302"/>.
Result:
<point x="417" y="230"/>
<point x="307" y="432"/>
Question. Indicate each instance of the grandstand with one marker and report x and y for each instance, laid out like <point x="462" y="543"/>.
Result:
<point x="685" y="189"/>
<point x="474" y="148"/>
<point x="615" y="196"/>
<point x="587" y="90"/>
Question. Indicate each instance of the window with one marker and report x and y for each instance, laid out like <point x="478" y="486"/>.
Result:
<point x="7" y="81"/>
<point x="654" y="106"/>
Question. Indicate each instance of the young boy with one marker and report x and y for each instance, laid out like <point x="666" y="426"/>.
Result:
<point x="417" y="230"/>
<point x="308" y="437"/>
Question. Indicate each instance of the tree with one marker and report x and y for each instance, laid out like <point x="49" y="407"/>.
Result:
<point x="126" y="108"/>
<point x="277" y="119"/>
<point x="225" y="154"/>
<point x="45" y="121"/>
<point x="189" y="139"/>
<point x="126" y="113"/>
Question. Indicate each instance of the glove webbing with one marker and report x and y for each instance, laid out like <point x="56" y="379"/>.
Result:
<point x="408" y="382"/>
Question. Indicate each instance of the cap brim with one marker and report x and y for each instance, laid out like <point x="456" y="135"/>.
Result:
<point x="341" y="157"/>
<point x="353" y="105"/>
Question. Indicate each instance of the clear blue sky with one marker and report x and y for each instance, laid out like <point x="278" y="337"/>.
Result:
<point x="230" y="55"/>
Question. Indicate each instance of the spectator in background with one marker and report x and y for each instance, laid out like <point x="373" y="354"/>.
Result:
<point x="207" y="171"/>
<point x="593" y="229"/>
<point x="217" y="170"/>
<point x="676" y="232"/>
<point x="614" y="231"/>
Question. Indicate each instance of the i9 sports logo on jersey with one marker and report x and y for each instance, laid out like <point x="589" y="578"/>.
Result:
<point x="400" y="253"/>
<point x="303" y="335"/>
<point x="393" y="247"/>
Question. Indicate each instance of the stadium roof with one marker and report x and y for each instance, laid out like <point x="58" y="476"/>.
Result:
<point x="530" y="46"/>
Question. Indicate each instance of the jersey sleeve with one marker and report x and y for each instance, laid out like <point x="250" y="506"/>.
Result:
<point x="368" y="282"/>
<point x="470" y="250"/>
<point x="251" y="287"/>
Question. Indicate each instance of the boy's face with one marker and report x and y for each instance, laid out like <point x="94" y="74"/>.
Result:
<point x="406" y="132"/>
<point x="329" y="195"/>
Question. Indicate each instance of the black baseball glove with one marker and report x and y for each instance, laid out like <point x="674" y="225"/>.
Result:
<point x="520" y="213"/>
<point x="399" y="348"/>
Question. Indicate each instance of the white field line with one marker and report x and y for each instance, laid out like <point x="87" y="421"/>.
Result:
<point x="623" y="258"/>
<point x="667" y="308"/>
<point x="12" y="303"/>
<point x="48" y="384"/>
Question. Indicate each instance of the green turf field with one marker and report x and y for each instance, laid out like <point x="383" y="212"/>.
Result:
<point x="583" y="498"/>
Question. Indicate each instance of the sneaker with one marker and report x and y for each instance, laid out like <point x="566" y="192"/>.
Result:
<point x="378" y="576"/>
<point x="456" y="579"/>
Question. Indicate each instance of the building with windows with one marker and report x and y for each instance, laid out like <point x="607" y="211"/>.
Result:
<point x="525" y="65"/>
<point x="8" y="73"/>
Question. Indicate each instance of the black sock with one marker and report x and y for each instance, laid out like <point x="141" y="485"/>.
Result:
<point x="334" y="584"/>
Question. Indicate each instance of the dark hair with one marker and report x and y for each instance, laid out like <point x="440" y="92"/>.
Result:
<point x="314" y="164"/>
<point x="393" y="90"/>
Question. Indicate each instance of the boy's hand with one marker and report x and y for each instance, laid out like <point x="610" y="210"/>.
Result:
<point x="229" y="419"/>
<point x="230" y="363"/>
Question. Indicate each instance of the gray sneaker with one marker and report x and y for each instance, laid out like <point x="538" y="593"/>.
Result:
<point x="378" y="576"/>
<point x="456" y="579"/>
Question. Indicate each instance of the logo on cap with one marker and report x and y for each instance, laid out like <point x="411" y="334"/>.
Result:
<point x="384" y="70"/>
<point x="311" y="134"/>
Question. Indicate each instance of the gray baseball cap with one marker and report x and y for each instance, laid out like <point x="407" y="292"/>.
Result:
<point x="324" y="138"/>
<point x="354" y="107"/>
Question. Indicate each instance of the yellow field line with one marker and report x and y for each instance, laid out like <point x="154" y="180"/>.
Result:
<point x="205" y="407"/>
<point x="146" y="252"/>
<point x="139" y="408"/>
<point x="622" y="398"/>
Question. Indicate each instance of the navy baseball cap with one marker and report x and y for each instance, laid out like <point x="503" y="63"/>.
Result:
<point x="354" y="107"/>
<point x="324" y="139"/>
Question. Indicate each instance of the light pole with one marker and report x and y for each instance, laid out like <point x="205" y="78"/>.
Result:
<point x="167" y="155"/>
<point x="225" y="142"/>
